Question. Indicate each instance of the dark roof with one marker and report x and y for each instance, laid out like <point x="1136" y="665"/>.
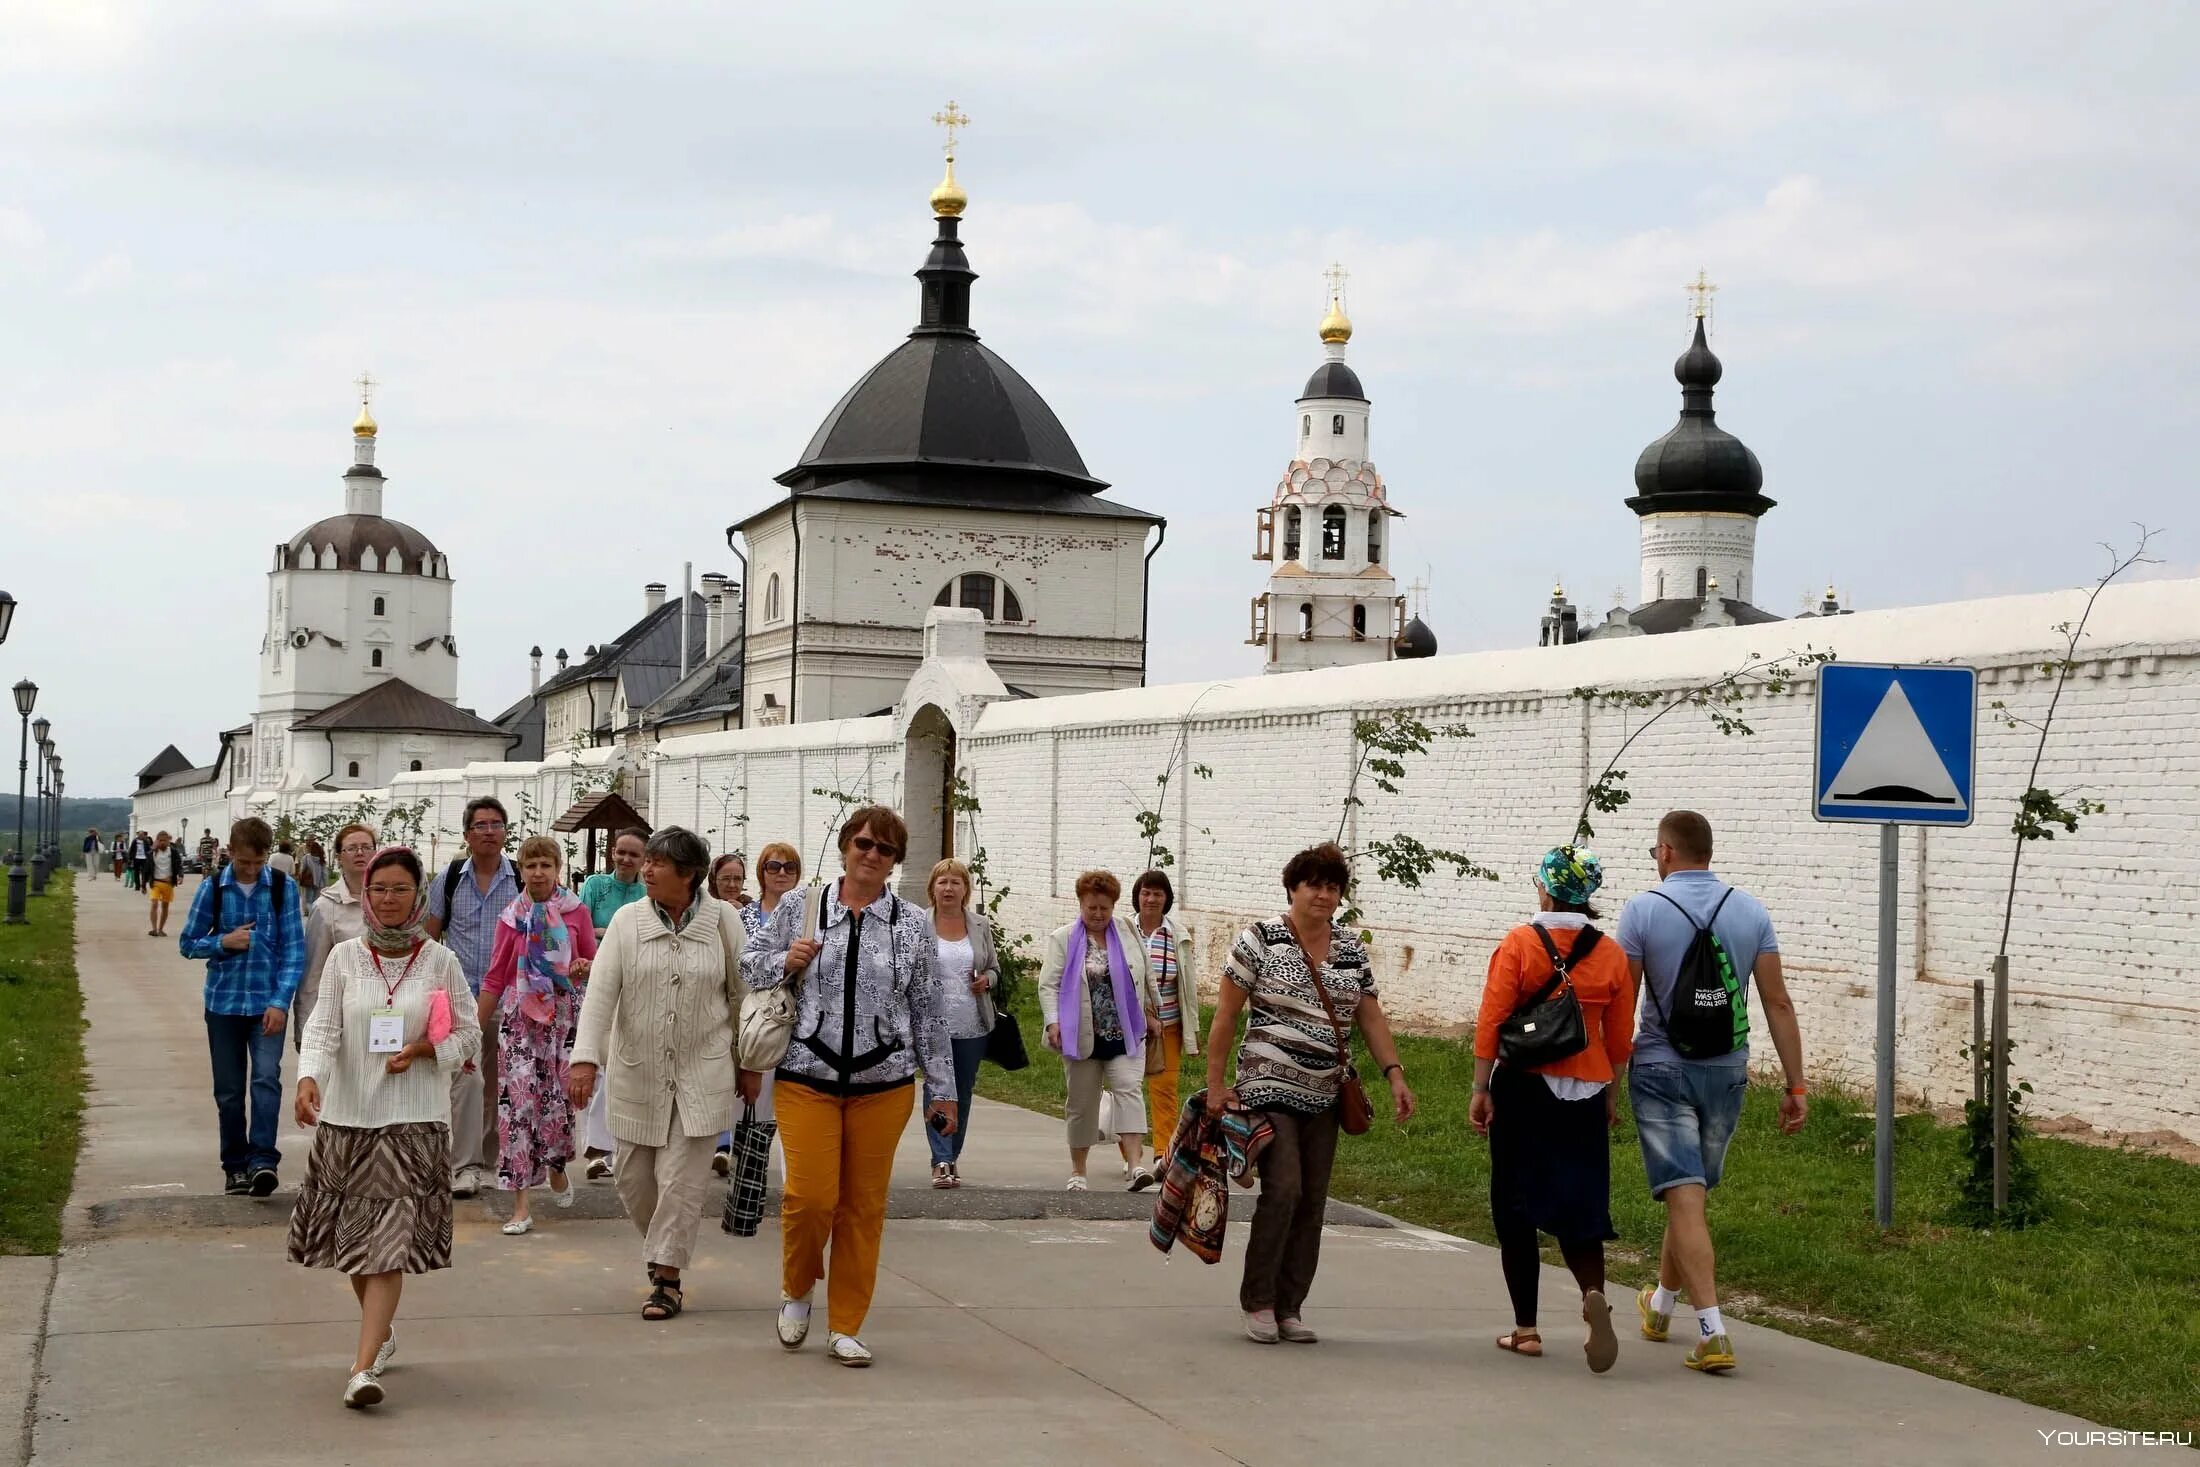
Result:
<point x="973" y="493"/>
<point x="653" y="639"/>
<point x="1698" y="466"/>
<point x="170" y="760"/>
<point x="1334" y="379"/>
<point x="398" y="706"/>
<point x="1416" y="640"/>
<point x="523" y="722"/>
<point x="711" y="691"/>
<point x="646" y="682"/>
<point x="603" y="810"/>
<point x="1676" y="613"/>
<point x="353" y="533"/>
<point x="180" y="779"/>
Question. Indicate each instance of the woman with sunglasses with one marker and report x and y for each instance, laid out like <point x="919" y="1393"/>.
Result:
<point x="870" y="1014"/>
<point x="336" y="916"/>
<point x="394" y="1022"/>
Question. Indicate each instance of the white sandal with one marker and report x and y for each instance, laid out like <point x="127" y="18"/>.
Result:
<point x="1077" y="1184"/>
<point x="519" y="1226"/>
<point x="848" y="1350"/>
<point x="794" y="1321"/>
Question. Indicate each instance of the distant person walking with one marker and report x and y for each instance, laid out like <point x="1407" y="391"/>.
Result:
<point x="244" y="926"/>
<point x="1693" y="943"/>
<point x="141" y="858"/>
<point x="969" y="967"/>
<point x="166" y="868"/>
<point x="605" y="893"/>
<point x="209" y="850"/>
<point x="312" y="873"/>
<point x="338" y="916"/>
<point x="376" y="1203"/>
<point x="1306" y="982"/>
<point x="122" y="859"/>
<point x="1097" y="999"/>
<point x="531" y="1001"/>
<point x="1169" y="949"/>
<point x="463" y="906"/>
<point x="93" y="850"/>
<point x="657" y="1026"/>
<point x="1548" y="1108"/>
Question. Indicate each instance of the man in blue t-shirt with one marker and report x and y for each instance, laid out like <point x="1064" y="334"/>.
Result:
<point x="1686" y="1109"/>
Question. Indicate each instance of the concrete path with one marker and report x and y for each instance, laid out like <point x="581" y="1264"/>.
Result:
<point x="1005" y="1333"/>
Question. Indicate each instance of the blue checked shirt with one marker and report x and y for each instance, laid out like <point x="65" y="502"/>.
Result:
<point x="265" y="975"/>
<point x="470" y="926"/>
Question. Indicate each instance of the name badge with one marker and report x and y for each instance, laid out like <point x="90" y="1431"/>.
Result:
<point x="385" y="1031"/>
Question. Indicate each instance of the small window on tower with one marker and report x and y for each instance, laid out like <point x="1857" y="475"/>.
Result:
<point x="1374" y="537"/>
<point x="414" y="766"/>
<point x="1701" y="587"/>
<point x="977" y="593"/>
<point x="1333" y="532"/>
<point x="1359" y="623"/>
<point x="771" y="598"/>
<point x="1011" y="608"/>
<point x="1306" y="425"/>
<point x="1336" y="424"/>
<point x="1291" y="533"/>
<point x="1306" y="621"/>
<point x="374" y="658"/>
<point x="380" y="607"/>
<point x="351" y="770"/>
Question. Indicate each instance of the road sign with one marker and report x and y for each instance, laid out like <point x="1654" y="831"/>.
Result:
<point x="1896" y="745"/>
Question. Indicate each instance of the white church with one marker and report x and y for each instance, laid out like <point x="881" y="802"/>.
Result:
<point x="947" y="606"/>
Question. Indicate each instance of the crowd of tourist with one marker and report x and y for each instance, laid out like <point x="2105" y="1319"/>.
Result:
<point x="486" y="1020"/>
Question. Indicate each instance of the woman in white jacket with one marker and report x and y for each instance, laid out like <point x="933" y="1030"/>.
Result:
<point x="1097" y="996"/>
<point x="664" y="999"/>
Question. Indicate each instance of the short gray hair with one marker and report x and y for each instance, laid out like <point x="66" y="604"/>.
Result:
<point x="688" y="852"/>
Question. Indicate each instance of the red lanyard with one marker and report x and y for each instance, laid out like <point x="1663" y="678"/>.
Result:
<point x="389" y="989"/>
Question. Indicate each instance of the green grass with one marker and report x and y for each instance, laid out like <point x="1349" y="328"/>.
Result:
<point x="41" y="1070"/>
<point x="2096" y="1312"/>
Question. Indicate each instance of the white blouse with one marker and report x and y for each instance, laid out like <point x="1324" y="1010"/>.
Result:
<point x="356" y="1087"/>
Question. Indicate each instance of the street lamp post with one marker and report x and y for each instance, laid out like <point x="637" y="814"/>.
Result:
<point x="26" y="698"/>
<point x="39" y="729"/>
<point x="53" y="809"/>
<point x="7" y="614"/>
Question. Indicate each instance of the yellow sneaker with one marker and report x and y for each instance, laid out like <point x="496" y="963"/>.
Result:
<point x="1712" y="1355"/>
<point x="1654" y="1324"/>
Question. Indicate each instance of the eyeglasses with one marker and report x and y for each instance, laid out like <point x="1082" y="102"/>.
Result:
<point x="355" y="850"/>
<point x="776" y="868"/>
<point x="486" y="826"/>
<point x="393" y="891"/>
<point x="866" y="846"/>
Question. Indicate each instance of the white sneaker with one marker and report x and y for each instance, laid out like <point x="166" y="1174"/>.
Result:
<point x="519" y="1226"/>
<point x="848" y="1350"/>
<point x="1077" y="1184"/>
<point x="794" y="1321"/>
<point x="600" y="1169"/>
<point x="385" y="1355"/>
<point x="467" y="1183"/>
<point x="364" y="1390"/>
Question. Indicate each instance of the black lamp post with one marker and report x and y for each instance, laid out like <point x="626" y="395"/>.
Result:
<point x="7" y="614"/>
<point x="40" y="728"/>
<point x="26" y="698"/>
<point x="53" y="809"/>
<point x="57" y="810"/>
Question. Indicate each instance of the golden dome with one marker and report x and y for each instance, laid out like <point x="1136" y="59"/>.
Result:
<point x="363" y="426"/>
<point x="949" y="200"/>
<point x="1336" y="326"/>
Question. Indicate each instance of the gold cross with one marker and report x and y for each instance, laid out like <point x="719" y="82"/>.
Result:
<point x="366" y="384"/>
<point x="1336" y="275"/>
<point x="1702" y="291"/>
<point x="951" y="119"/>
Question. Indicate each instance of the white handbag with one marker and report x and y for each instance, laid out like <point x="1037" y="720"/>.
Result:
<point x="768" y="1014"/>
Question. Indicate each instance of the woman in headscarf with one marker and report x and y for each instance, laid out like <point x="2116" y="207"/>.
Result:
<point x="1097" y="996"/>
<point x="1549" y="1126"/>
<point x="376" y="1202"/>
<point x="538" y="964"/>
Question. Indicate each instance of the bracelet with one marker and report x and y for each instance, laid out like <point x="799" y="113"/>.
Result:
<point x="1798" y="1090"/>
<point x="1393" y="1065"/>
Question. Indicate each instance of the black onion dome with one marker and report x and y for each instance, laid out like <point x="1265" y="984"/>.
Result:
<point x="1698" y="466"/>
<point x="943" y="400"/>
<point x="1334" y="379"/>
<point x="351" y="534"/>
<point x="1416" y="641"/>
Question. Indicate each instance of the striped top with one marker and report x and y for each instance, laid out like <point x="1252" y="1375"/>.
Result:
<point x="1290" y="1057"/>
<point x="1161" y="947"/>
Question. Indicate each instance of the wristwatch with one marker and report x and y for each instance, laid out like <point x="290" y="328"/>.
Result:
<point x="1393" y="1065"/>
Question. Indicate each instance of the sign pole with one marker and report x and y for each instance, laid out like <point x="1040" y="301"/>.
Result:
<point x="1890" y="865"/>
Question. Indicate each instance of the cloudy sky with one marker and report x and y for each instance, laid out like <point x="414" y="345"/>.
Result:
<point x="613" y="264"/>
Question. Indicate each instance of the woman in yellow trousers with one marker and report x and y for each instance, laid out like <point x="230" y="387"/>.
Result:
<point x="1169" y="947"/>
<point x="871" y="1012"/>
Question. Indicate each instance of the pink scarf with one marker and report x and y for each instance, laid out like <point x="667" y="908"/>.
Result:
<point x="546" y="952"/>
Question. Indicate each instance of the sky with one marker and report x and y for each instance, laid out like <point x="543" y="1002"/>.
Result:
<point x="613" y="263"/>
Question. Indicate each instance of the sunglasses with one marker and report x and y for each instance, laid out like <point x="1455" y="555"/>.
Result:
<point x="866" y="846"/>
<point x="776" y="868"/>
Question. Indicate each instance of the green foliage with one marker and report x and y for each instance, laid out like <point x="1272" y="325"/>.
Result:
<point x="1721" y="701"/>
<point x="1149" y="819"/>
<point x="1019" y="963"/>
<point x="843" y="801"/>
<point x="1382" y="744"/>
<point x="1974" y="1204"/>
<point x="41" y="1070"/>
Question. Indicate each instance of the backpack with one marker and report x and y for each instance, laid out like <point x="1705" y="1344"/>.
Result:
<point x="451" y="877"/>
<point x="275" y="895"/>
<point x="1709" y="1016"/>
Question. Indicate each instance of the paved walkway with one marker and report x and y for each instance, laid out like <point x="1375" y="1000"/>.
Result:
<point x="178" y="1333"/>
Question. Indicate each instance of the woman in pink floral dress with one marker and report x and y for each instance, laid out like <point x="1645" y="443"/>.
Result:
<point x="532" y="994"/>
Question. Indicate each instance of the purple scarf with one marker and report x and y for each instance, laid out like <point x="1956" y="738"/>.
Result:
<point x="1127" y="1007"/>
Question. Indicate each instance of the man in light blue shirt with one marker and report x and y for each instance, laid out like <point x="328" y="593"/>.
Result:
<point x="1686" y="1109"/>
<point x="464" y="903"/>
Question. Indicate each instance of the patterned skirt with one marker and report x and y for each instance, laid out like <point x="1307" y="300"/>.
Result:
<point x="534" y="1119"/>
<point x="375" y="1201"/>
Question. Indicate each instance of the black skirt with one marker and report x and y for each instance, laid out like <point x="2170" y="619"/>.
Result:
<point x="1550" y="1159"/>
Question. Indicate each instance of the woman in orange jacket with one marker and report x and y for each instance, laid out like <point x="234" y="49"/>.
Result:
<point x="1549" y="1125"/>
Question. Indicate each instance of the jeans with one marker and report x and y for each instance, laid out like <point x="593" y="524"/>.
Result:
<point x="967" y="1054"/>
<point x="237" y="1048"/>
<point x="1685" y="1115"/>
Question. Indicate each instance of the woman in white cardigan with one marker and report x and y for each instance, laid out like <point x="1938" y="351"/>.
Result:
<point x="664" y="1000"/>
<point x="1097" y="996"/>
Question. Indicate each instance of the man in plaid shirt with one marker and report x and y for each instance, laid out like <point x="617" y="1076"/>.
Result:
<point x="244" y="925"/>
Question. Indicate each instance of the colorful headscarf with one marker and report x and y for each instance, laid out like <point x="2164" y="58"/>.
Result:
<point x="546" y="948"/>
<point x="1571" y="874"/>
<point x="406" y="935"/>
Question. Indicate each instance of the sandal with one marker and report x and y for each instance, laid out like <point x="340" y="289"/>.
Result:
<point x="665" y="1296"/>
<point x="1602" y="1345"/>
<point x="1077" y="1184"/>
<point x="1521" y="1342"/>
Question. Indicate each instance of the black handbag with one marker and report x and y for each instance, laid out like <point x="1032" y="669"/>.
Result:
<point x="1549" y="1027"/>
<point x="752" y="1152"/>
<point x="1005" y="1045"/>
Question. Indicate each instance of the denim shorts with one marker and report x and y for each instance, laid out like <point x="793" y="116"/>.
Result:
<point x="1685" y="1115"/>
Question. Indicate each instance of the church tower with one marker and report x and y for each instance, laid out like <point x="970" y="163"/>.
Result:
<point x="1331" y="600"/>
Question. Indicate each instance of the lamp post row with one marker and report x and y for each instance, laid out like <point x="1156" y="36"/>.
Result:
<point x="48" y="826"/>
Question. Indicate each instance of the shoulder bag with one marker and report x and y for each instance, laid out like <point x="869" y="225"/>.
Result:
<point x="1354" y="1112"/>
<point x="1548" y="1027"/>
<point x="768" y="1014"/>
